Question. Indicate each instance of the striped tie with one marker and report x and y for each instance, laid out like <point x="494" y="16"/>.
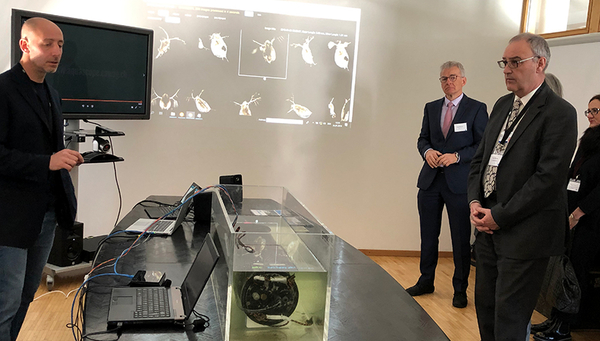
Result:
<point x="489" y="178"/>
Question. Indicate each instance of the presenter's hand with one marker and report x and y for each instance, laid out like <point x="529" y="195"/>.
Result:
<point x="447" y="159"/>
<point x="432" y="157"/>
<point x="482" y="219"/>
<point x="65" y="159"/>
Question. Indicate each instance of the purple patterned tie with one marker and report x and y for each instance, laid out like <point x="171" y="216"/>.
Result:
<point x="447" y="119"/>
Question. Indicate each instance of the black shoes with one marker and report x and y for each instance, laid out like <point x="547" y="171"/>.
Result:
<point x="420" y="289"/>
<point x="542" y="327"/>
<point x="459" y="300"/>
<point x="558" y="331"/>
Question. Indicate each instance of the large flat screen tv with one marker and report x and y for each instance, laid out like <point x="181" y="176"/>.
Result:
<point x="105" y="71"/>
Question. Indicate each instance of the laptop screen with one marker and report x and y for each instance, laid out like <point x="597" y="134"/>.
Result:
<point x="199" y="273"/>
<point x="183" y="211"/>
<point x="193" y="188"/>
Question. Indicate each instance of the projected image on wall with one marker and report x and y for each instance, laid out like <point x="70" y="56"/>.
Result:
<point x="273" y="63"/>
<point x="263" y="57"/>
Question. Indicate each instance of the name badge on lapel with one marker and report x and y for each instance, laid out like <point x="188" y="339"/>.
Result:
<point x="458" y="127"/>
<point x="495" y="160"/>
<point x="573" y="185"/>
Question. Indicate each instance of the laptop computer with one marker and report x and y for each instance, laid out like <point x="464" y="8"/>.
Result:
<point x="165" y="227"/>
<point x="138" y="305"/>
<point x="156" y="212"/>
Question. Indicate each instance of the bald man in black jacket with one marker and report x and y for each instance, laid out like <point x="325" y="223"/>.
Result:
<point x="35" y="187"/>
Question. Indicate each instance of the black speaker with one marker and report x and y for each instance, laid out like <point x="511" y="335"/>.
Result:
<point x="67" y="246"/>
<point x="90" y="246"/>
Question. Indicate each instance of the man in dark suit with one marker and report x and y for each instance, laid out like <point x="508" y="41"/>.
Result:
<point x="35" y="188"/>
<point x="450" y="134"/>
<point x="517" y="191"/>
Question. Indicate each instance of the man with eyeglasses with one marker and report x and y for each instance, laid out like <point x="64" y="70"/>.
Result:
<point x="451" y="130"/>
<point x="517" y="191"/>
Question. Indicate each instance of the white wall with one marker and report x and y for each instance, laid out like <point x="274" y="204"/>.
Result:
<point x="360" y="182"/>
<point x="575" y="63"/>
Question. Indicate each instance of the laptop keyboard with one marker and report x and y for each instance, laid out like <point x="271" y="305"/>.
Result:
<point x="152" y="303"/>
<point x="166" y="209"/>
<point x="160" y="226"/>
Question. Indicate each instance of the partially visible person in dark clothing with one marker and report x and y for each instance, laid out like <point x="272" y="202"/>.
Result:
<point x="584" y="222"/>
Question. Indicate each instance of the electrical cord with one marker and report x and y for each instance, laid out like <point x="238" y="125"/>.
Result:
<point x="77" y="316"/>
<point x="117" y="182"/>
<point x="159" y="203"/>
<point x="115" y="171"/>
<point x="118" y="234"/>
<point x="74" y="325"/>
<point x="107" y="264"/>
<point x="75" y="322"/>
<point x="56" y="292"/>
<point x="144" y="234"/>
<point x="69" y="139"/>
<point x="201" y="322"/>
<point x="110" y="331"/>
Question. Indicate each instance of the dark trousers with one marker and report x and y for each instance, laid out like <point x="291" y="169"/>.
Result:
<point x="431" y="204"/>
<point x="506" y="291"/>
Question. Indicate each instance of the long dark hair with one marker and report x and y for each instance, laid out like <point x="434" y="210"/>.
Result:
<point x="590" y="141"/>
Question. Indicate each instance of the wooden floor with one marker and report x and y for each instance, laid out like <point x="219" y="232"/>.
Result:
<point x="458" y="324"/>
<point x="49" y="315"/>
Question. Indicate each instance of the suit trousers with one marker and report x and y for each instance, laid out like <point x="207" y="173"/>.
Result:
<point x="506" y="291"/>
<point x="431" y="204"/>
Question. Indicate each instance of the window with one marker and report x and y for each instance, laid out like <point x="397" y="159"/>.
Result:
<point x="559" y="18"/>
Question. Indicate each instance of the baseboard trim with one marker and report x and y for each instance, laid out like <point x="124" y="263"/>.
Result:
<point x="401" y="253"/>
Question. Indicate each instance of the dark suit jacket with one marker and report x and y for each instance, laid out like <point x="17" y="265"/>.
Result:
<point x="531" y="179"/>
<point x="26" y="144"/>
<point x="471" y="112"/>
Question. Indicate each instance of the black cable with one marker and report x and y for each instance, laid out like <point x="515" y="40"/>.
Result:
<point x="141" y="203"/>
<point x="201" y="323"/>
<point x="117" y="182"/>
<point x="75" y="324"/>
<point x="70" y="139"/>
<point x="115" y="170"/>
<point x="79" y="314"/>
<point x="86" y="121"/>
<point x="78" y="317"/>
<point x="114" y="330"/>
<point x="103" y="240"/>
<point x="239" y="243"/>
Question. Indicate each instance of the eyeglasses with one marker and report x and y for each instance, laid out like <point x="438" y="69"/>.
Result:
<point x="513" y="64"/>
<point x="593" y="111"/>
<point x="452" y="78"/>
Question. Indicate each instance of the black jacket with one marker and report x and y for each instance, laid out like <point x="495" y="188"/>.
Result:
<point x="531" y="179"/>
<point x="586" y="168"/>
<point x="28" y="137"/>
